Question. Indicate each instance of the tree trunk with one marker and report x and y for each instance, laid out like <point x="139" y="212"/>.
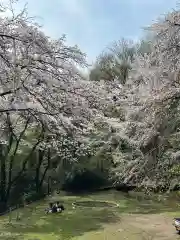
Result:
<point x="49" y="185"/>
<point x="46" y="169"/>
<point x="37" y="177"/>
<point x="3" y="199"/>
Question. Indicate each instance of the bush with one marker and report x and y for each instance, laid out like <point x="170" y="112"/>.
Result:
<point x="86" y="180"/>
<point x="33" y="196"/>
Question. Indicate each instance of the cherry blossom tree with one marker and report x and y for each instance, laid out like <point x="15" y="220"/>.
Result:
<point x="152" y="106"/>
<point x="42" y="93"/>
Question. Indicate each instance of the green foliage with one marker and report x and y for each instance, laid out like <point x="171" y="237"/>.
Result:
<point x="144" y="47"/>
<point x="32" y="196"/>
<point x="86" y="180"/>
<point x="175" y="170"/>
<point x="114" y="63"/>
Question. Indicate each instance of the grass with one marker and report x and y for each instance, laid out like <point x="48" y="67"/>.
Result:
<point x="83" y="223"/>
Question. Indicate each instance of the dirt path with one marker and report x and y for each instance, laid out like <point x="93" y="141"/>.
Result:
<point x="153" y="226"/>
<point x="137" y="227"/>
<point x="150" y="226"/>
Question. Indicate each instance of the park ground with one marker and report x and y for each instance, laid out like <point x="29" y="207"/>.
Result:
<point x="136" y="218"/>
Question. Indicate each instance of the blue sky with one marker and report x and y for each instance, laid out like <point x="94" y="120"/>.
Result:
<point x="93" y="24"/>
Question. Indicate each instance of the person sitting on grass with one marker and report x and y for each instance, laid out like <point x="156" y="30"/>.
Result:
<point x="56" y="207"/>
<point x="50" y="209"/>
<point x="60" y="207"/>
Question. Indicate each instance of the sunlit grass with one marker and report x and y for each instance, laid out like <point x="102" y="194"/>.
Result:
<point x="82" y="222"/>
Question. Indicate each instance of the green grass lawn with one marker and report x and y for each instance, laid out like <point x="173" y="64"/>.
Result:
<point x="85" y="223"/>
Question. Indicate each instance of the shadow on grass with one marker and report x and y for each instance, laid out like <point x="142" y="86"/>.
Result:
<point x="71" y="223"/>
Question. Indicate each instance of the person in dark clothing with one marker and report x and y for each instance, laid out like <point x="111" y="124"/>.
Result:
<point x="60" y="207"/>
<point x="50" y="205"/>
<point x="49" y="210"/>
<point x="54" y="208"/>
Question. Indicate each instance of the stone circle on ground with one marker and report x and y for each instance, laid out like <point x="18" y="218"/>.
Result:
<point x="94" y="204"/>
